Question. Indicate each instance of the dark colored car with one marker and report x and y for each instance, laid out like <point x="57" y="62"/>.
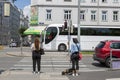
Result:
<point x="26" y="44"/>
<point x="103" y="49"/>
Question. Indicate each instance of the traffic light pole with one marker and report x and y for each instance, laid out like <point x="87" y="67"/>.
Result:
<point x="79" y="21"/>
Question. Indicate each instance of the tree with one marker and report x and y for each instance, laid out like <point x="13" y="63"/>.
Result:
<point x="14" y="1"/>
<point x="21" y="31"/>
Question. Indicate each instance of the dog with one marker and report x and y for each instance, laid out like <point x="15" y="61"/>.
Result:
<point x="67" y="71"/>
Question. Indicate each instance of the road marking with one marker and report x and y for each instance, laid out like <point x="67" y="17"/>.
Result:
<point x="54" y="65"/>
<point x="51" y="61"/>
<point x="59" y="69"/>
<point x="113" y="79"/>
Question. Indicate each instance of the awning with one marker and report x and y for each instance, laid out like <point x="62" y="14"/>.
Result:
<point x="36" y="30"/>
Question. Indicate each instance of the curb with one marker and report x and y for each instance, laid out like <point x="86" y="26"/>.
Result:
<point x="18" y="55"/>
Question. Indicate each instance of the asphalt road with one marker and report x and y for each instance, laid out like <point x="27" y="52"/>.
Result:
<point x="89" y="70"/>
<point x="102" y="75"/>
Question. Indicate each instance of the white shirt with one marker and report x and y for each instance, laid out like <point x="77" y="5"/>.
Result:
<point x="33" y="47"/>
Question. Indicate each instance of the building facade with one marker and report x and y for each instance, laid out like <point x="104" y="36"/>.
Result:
<point x="24" y="20"/>
<point x="92" y="12"/>
<point x="9" y="22"/>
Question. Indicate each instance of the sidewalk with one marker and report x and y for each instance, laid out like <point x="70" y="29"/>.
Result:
<point x="26" y="75"/>
<point x="48" y="74"/>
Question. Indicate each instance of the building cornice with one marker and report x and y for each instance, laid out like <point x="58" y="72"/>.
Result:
<point x="75" y="6"/>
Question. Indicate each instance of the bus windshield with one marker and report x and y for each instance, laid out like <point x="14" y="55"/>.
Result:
<point x="51" y="32"/>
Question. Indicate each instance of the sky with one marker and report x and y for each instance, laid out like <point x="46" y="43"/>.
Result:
<point x="24" y="5"/>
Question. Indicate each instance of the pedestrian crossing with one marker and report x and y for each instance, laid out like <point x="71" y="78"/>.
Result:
<point x="49" y="63"/>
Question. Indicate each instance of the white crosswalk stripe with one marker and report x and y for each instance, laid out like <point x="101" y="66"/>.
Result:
<point x="51" y="63"/>
<point x="113" y="79"/>
<point x="58" y="65"/>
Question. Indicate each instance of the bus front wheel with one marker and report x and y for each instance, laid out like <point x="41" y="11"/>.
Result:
<point x="62" y="47"/>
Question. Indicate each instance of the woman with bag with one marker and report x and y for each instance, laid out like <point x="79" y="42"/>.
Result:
<point x="36" y="55"/>
<point x="75" y="49"/>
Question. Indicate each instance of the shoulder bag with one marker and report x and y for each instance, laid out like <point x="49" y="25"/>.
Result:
<point x="41" y="51"/>
<point x="79" y="53"/>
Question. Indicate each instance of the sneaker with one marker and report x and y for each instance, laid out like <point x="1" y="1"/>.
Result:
<point x="38" y="72"/>
<point x="76" y="74"/>
<point x="73" y="74"/>
<point x="33" y="72"/>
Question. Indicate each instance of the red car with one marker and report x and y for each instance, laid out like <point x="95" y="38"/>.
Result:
<point x="103" y="49"/>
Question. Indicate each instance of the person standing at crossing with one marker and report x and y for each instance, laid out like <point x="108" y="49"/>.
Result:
<point x="75" y="49"/>
<point x="36" y="56"/>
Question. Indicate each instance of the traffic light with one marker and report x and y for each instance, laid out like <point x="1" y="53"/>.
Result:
<point x="65" y="24"/>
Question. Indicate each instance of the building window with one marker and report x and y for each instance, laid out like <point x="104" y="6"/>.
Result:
<point x="93" y="1"/>
<point x="48" y="0"/>
<point x="67" y="0"/>
<point x="115" y="15"/>
<point x="115" y="1"/>
<point x="104" y="1"/>
<point x="48" y="14"/>
<point x="104" y="15"/>
<point x="93" y="15"/>
<point x="82" y="15"/>
<point x="67" y="14"/>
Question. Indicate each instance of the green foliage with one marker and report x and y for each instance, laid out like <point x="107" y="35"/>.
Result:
<point x="87" y="52"/>
<point x="21" y="31"/>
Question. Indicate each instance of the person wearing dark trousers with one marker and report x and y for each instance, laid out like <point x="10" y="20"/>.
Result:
<point x="36" y="61"/>
<point x="36" y="56"/>
<point x="75" y="49"/>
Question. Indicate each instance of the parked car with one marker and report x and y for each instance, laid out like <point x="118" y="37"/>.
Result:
<point x="103" y="49"/>
<point x="27" y="44"/>
<point x="13" y="44"/>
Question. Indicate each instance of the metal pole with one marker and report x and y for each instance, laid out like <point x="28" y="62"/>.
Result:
<point x="1" y="26"/>
<point x="79" y="21"/>
<point x="111" y="58"/>
<point x="69" y="40"/>
<point x="68" y="25"/>
<point x="21" y="46"/>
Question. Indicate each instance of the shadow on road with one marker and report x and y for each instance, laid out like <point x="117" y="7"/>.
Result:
<point x="1" y="71"/>
<point x="99" y="65"/>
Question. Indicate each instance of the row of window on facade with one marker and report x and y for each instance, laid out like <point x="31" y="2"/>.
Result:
<point x="104" y="15"/>
<point x="64" y="0"/>
<point x="94" y="1"/>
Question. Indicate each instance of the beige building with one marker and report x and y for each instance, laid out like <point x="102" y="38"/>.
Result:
<point x="92" y="12"/>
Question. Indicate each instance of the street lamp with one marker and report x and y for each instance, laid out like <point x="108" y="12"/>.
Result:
<point x="78" y="21"/>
